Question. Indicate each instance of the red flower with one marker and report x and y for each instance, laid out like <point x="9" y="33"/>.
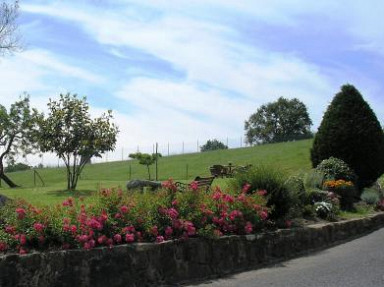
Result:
<point x="248" y="227"/>
<point x="159" y="239"/>
<point x="124" y="209"/>
<point x="246" y="188"/>
<point x="10" y="229"/>
<point x="262" y="192"/>
<point x="263" y="214"/>
<point x="129" y="237"/>
<point x="3" y="246"/>
<point x="23" y="251"/>
<point x="168" y="231"/>
<point x="38" y="227"/>
<point x="20" y="213"/>
<point x="173" y="213"/>
<point x="117" y="238"/>
<point x="194" y="185"/>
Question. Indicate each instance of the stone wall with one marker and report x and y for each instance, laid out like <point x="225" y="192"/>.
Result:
<point x="147" y="264"/>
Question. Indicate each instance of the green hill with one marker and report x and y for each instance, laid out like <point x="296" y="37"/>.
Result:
<point x="291" y="157"/>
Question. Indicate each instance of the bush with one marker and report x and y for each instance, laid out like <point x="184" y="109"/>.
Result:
<point x="17" y="167"/>
<point x="334" y="168"/>
<point x="118" y="218"/>
<point x="273" y="182"/>
<point x="370" y="196"/>
<point x="346" y="190"/>
<point x="313" y="180"/>
<point x="350" y="131"/>
<point x="213" y="145"/>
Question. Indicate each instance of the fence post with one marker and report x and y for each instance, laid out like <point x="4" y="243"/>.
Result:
<point x="157" y="172"/>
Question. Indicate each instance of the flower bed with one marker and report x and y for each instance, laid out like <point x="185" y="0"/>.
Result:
<point x="119" y="218"/>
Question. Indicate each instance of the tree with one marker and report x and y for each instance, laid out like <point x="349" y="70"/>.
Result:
<point x="9" y="40"/>
<point x="213" y="145"/>
<point x="146" y="159"/>
<point x="17" y="167"/>
<point x="350" y="131"/>
<point x="18" y="133"/>
<point x="69" y="132"/>
<point x="279" y="121"/>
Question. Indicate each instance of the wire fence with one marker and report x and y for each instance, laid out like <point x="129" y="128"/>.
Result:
<point x="122" y="153"/>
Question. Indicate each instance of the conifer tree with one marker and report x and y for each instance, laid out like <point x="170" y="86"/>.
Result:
<point x="350" y="131"/>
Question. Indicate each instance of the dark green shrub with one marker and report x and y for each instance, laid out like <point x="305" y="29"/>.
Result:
<point x="334" y="168"/>
<point x="273" y="182"/>
<point x="213" y="145"/>
<point x="350" y="131"/>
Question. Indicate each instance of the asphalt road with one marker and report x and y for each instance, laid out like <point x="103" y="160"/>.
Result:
<point x="358" y="263"/>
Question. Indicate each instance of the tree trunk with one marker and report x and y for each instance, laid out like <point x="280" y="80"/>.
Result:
<point x="7" y="180"/>
<point x="149" y="174"/>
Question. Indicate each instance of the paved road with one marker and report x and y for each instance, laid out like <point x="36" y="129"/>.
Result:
<point x="359" y="263"/>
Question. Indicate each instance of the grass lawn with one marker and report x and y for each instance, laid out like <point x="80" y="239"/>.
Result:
<point x="291" y="157"/>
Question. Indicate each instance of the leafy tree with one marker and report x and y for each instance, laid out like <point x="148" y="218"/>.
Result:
<point x="279" y="121"/>
<point x="146" y="159"/>
<point x="350" y="131"/>
<point x="18" y="128"/>
<point x="17" y="167"/>
<point x="213" y="145"/>
<point x="69" y="132"/>
<point x="9" y="41"/>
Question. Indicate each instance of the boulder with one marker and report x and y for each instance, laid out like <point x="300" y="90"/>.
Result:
<point x="3" y="200"/>
<point x="140" y="184"/>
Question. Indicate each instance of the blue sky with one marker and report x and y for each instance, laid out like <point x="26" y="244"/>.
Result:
<point x="178" y="70"/>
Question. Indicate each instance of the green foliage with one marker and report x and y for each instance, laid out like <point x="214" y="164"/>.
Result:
<point x="272" y="181"/>
<point x="299" y="197"/>
<point x="17" y="167"/>
<point x="18" y="133"/>
<point x="313" y="180"/>
<point x="351" y="132"/>
<point x="70" y="132"/>
<point x="213" y="145"/>
<point x="280" y="121"/>
<point x="334" y="168"/>
<point x="146" y="159"/>
<point x="370" y="196"/>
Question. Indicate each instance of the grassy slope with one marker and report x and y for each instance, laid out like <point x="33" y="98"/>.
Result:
<point x="291" y="157"/>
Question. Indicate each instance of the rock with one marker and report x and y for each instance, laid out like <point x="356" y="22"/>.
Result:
<point x="3" y="200"/>
<point x="140" y="184"/>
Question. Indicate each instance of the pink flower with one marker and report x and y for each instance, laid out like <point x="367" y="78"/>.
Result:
<point x="129" y="237"/>
<point x="172" y="212"/>
<point x="191" y="230"/>
<point x="73" y="228"/>
<point x="66" y="220"/>
<point x="38" y="227"/>
<point x="175" y="202"/>
<point x="262" y="192"/>
<point x="23" y="239"/>
<point x="263" y="214"/>
<point x="177" y="224"/>
<point x="130" y="229"/>
<point x="159" y="239"/>
<point x="10" y="229"/>
<point x="234" y="214"/>
<point x="92" y="243"/>
<point x="124" y="209"/>
<point x="228" y="198"/>
<point x="168" y="231"/>
<point x="94" y="224"/>
<point x="101" y="239"/>
<point x="3" y="246"/>
<point x="68" y="202"/>
<point x="216" y="195"/>
<point x="23" y="251"/>
<point x="248" y="227"/>
<point x="155" y="230"/>
<point x="246" y="188"/>
<point x="118" y="215"/>
<point x="20" y="213"/>
<point x="117" y="238"/>
<point x="109" y="242"/>
<point x="87" y="245"/>
<point x="194" y="185"/>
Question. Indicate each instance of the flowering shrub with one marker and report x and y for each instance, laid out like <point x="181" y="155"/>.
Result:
<point x="119" y="218"/>
<point x="346" y="190"/>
